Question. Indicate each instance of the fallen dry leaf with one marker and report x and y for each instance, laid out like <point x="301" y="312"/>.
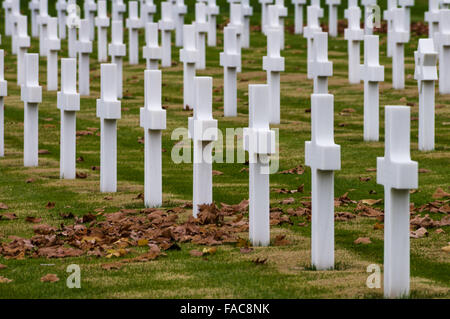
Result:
<point x="288" y="201"/>
<point x="4" y="280"/>
<point x="32" y="219"/>
<point x="446" y="249"/>
<point x="280" y="240"/>
<point x="3" y="206"/>
<point x="216" y="173"/>
<point x="439" y="231"/>
<point x="196" y="253"/>
<point x="371" y="202"/>
<point x="50" y="205"/>
<point x="2" y="266"/>
<point x="378" y="226"/>
<point x="362" y="240"/>
<point x="421" y="232"/>
<point x="8" y="216"/>
<point x="50" y="278"/>
<point x="440" y="193"/>
<point x="259" y="261"/>
<point x="246" y="250"/>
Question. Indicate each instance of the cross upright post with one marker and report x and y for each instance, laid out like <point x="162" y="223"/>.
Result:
<point x="399" y="37"/>
<point x="33" y="5"/>
<point x="236" y="21"/>
<point x="247" y="12"/>
<point x="90" y="7"/>
<point x="203" y="132"/>
<point x="313" y="13"/>
<point x="389" y="17"/>
<point x="31" y="95"/>
<point x="354" y="35"/>
<point x="23" y="43"/>
<point x="368" y="5"/>
<point x="53" y="45"/>
<point x="7" y="6"/>
<point x="153" y="120"/>
<point x="84" y="48"/>
<point x="61" y="9"/>
<point x="148" y="10"/>
<point x="201" y="28"/>
<point x="432" y="17"/>
<point x="333" y="17"/>
<point x="68" y="101"/>
<point x="443" y="44"/>
<point x="43" y="21"/>
<point x="102" y="23"/>
<point x="108" y="110"/>
<point x="189" y="57"/>
<point x="180" y="11"/>
<point x="213" y="11"/>
<point x="14" y="17"/>
<point x="372" y="73"/>
<point x="264" y="8"/>
<point x="166" y="25"/>
<point x="398" y="174"/>
<point x="230" y="59"/>
<point x="72" y="22"/>
<point x="3" y="93"/>
<point x="118" y="10"/>
<point x="298" y="15"/>
<point x="426" y="75"/>
<point x="133" y="23"/>
<point x="117" y="51"/>
<point x="152" y="51"/>
<point x="322" y="67"/>
<point x="324" y="157"/>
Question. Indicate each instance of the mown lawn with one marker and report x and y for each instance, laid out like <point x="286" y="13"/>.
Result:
<point x="227" y="273"/>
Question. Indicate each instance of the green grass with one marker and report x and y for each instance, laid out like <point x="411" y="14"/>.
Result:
<point x="288" y="273"/>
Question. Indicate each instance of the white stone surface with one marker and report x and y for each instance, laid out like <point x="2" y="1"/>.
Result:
<point x="148" y="10"/>
<point x="72" y="29"/>
<point x="108" y="110"/>
<point x="201" y="29"/>
<point x="432" y="17"/>
<point x="203" y="132"/>
<point x="298" y="15"/>
<point x="31" y="95"/>
<point x="23" y="43"/>
<point x="259" y="142"/>
<point x="313" y="13"/>
<point x="133" y="24"/>
<point x="152" y="51"/>
<point x="166" y="25"/>
<point x="61" y="9"/>
<point x="68" y="102"/>
<point x="426" y="75"/>
<point x="3" y="93"/>
<point x="213" y="11"/>
<point x="84" y="48"/>
<point x="236" y="22"/>
<point x="33" y="5"/>
<point x="371" y="73"/>
<point x="118" y="10"/>
<point x="189" y="57"/>
<point x="389" y="17"/>
<point x="13" y="19"/>
<point x="399" y="37"/>
<point x="398" y="174"/>
<point x="406" y="5"/>
<point x="153" y="120"/>
<point x="264" y="8"/>
<point x="117" y="50"/>
<point x="90" y="8"/>
<point x="324" y="157"/>
<point x="230" y="60"/>
<point x="42" y="20"/>
<point x="180" y="11"/>
<point x="322" y="68"/>
<point x="102" y="23"/>
<point x="7" y="7"/>
<point x="247" y="12"/>
<point x="443" y="46"/>
<point x="368" y="23"/>
<point x="354" y="35"/>
<point x="333" y="17"/>
<point x="53" y="45"/>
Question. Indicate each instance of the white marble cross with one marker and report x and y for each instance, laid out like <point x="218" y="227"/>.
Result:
<point x="180" y="11"/>
<point x="72" y="21"/>
<point x="354" y="35"/>
<point x="322" y="68"/>
<point x="247" y="12"/>
<point x="189" y="57"/>
<point x="230" y="59"/>
<point x="298" y="15"/>
<point x="368" y="9"/>
<point x="90" y="7"/>
<point x="117" y="50"/>
<point x="407" y="5"/>
<point x="399" y="37"/>
<point x="42" y="20"/>
<point x="333" y="17"/>
<point x="31" y="95"/>
<point x="371" y="73"/>
<point x="152" y="52"/>
<point x="148" y="10"/>
<point x="389" y="17"/>
<point x="23" y="43"/>
<point x="102" y="23"/>
<point x="68" y="101"/>
<point x="432" y="17"/>
<point x="108" y="110"/>
<point x="33" y="5"/>
<point x="3" y="93"/>
<point x="213" y="11"/>
<point x="118" y="10"/>
<point x="426" y="75"/>
<point x="236" y="22"/>
<point x="166" y="25"/>
<point x="203" y="132"/>
<point x="61" y="9"/>
<point x="273" y="64"/>
<point x="324" y="157"/>
<point x="259" y="142"/>
<point x="7" y="6"/>
<point x="201" y="29"/>
<point x="398" y="174"/>
<point x="84" y="48"/>
<point x="53" y="45"/>
<point x="264" y="8"/>
<point x="13" y="18"/>
<point x="133" y="24"/>
<point x="153" y="120"/>
<point x="443" y="44"/>
<point x="313" y="13"/>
